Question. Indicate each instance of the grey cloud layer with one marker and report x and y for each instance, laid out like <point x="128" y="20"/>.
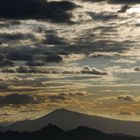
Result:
<point x="16" y="99"/>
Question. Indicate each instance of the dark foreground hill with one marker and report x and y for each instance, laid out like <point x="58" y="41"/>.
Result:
<point x="52" y="132"/>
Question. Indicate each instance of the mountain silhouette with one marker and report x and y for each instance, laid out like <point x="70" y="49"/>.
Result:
<point x="51" y="132"/>
<point x="68" y="120"/>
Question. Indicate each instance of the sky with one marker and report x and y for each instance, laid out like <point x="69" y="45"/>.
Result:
<point x="98" y="72"/>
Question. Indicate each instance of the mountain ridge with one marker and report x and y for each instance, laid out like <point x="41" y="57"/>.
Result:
<point x="68" y="120"/>
<point x="52" y="132"/>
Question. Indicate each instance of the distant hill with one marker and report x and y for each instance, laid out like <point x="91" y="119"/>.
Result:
<point x="52" y="132"/>
<point x="68" y="120"/>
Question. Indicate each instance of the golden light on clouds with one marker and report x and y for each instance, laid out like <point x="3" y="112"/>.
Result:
<point x="94" y="66"/>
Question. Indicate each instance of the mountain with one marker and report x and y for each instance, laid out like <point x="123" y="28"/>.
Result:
<point x="51" y="132"/>
<point x="68" y="120"/>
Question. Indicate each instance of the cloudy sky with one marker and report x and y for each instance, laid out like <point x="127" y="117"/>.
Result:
<point x="98" y="71"/>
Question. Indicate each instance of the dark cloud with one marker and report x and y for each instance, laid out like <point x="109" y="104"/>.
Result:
<point x="16" y="36"/>
<point x="4" y="114"/>
<point x="91" y="70"/>
<point x="98" y="55"/>
<point x="138" y="113"/>
<point x="31" y="69"/>
<point x="78" y="94"/>
<point x="19" y="6"/>
<point x="8" y="70"/>
<point x="4" y="63"/>
<point x="137" y="68"/>
<point x="18" y="56"/>
<point x="123" y="1"/>
<point x="55" y="11"/>
<point x="4" y="87"/>
<point x="35" y="63"/>
<point x="65" y="97"/>
<point x="128" y="98"/>
<point x="93" y="0"/>
<point x="22" y="69"/>
<point x="30" y="110"/>
<point x="58" y="98"/>
<point x="102" y="16"/>
<point x="17" y="99"/>
<point x="114" y="1"/>
<point x="53" y="39"/>
<point x="53" y="58"/>
<point x="65" y="5"/>
<point x="125" y="113"/>
<point x="97" y="41"/>
<point x="124" y="8"/>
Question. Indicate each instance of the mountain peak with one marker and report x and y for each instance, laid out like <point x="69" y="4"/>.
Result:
<point x="64" y="112"/>
<point x="61" y="110"/>
<point x="51" y="127"/>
